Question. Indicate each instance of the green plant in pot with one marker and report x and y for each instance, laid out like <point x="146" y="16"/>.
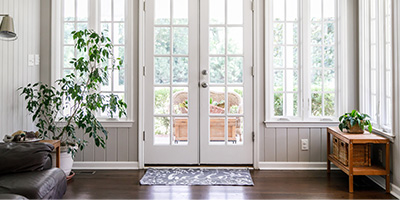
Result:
<point x="75" y="100"/>
<point x="355" y="122"/>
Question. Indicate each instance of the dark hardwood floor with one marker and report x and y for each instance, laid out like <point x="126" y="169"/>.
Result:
<point x="124" y="184"/>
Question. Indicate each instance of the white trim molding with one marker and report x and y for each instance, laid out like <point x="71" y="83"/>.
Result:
<point x="379" y="180"/>
<point x="105" y="165"/>
<point x="295" y="166"/>
<point x="300" y="124"/>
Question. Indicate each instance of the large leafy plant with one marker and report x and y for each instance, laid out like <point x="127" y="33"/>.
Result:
<point x="75" y="100"/>
<point x="354" y="118"/>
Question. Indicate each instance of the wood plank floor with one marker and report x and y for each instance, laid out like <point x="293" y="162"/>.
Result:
<point x="124" y="184"/>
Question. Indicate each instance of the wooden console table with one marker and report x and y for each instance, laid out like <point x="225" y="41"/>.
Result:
<point x="56" y="144"/>
<point x="350" y="139"/>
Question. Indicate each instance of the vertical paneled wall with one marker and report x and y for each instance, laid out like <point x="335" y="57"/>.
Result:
<point x="284" y="145"/>
<point x="121" y="146"/>
<point x="15" y="71"/>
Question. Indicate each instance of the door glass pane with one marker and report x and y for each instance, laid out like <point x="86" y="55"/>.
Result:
<point x="180" y="70"/>
<point x="106" y="29"/>
<point x="107" y="85"/>
<point x="217" y="11"/>
<point x="217" y="40"/>
<point x="161" y="100"/>
<point x="162" y="12"/>
<point x="217" y="100"/>
<point x="316" y="56"/>
<point x="329" y="80"/>
<point x="235" y="130"/>
<point x="329" y="33"/>
<point x="279" y="10"/>
<point x="162" y="40"/>
<point x="316" y="33"/>
<point x="292" y="57"/>
<point x="68" y="55"/>
<point x="235" y="40"/>
<point x="217" y="130"/>
<point x="180" y="103"/>
<point x="217" y="70"/>
<point x="278" y="104"/>
<point x="316" y="80"/>
<point x="162" y="130"/>
<point x="279" y="30"/>
<point x="181" y="40"/>
<point x="291" y="80"/>
<point x="235" y="69"/>
<point x="180" y="130"/>
<point x="279" y="57"/>
<point x="235" y="100"/>
<point x="279" y="82"/>
<point x="161" y="70"/>
<point x="180" y="14"/>
<point x="329" y="56"/>
<point x="235" y="11"/>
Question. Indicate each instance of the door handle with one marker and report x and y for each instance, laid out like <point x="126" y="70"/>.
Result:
<point x="204" y="85"/>
<point x="204" y="72"/>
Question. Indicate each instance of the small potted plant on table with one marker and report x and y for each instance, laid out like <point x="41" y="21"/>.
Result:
<point x="355" y="122"/>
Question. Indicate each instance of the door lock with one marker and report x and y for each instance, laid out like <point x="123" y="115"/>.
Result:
<point x="204" y="84"/>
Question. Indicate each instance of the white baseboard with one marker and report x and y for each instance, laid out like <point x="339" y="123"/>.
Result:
<point x="105" y="165"/>
<point x="294" y="166"/>
<point x="379" y="180"/>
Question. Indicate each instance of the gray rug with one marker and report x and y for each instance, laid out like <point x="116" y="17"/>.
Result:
<point x="196" y="176"/>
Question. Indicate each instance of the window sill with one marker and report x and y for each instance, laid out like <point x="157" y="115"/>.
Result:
<point x="384" y="134"/>
<point x="116" y="123"/>
<point x="300" y="124"/>
<point x="110" y="123"/>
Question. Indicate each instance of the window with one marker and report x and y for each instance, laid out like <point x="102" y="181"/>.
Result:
<point x="109" y="18"/>
<point x="301" y="60"/>
<point x="376" y="62"/>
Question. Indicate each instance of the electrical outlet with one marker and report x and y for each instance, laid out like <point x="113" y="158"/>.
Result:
<point x="37" y="59"/>
<point x="304" y="144"/>
<point x="380" y="155"/>
<point x="31" y="60"/>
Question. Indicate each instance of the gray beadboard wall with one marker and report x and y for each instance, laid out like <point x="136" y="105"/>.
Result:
<point x="121" y="146"/>
<point x="283" y="145"/>
<point x="15" y="71"/>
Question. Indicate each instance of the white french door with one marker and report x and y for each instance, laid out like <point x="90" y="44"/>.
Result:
<point x="198" y="82"/>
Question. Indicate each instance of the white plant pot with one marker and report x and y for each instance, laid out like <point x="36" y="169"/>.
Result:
<point x="66" y="162"/>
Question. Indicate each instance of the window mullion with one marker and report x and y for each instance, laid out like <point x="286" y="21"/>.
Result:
<point x="305" y="59"/>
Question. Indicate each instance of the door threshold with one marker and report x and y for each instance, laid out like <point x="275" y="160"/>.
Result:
<point x="203" y="166"/>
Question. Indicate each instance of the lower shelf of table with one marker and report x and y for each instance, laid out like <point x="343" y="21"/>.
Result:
<point x="365" y="170"/>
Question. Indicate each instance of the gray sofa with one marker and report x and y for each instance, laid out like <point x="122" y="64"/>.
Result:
<point x="25" y="172"/>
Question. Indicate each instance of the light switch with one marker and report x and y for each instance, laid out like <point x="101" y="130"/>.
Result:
<point x="37" y="59"/>
<point x="31" y="60"/>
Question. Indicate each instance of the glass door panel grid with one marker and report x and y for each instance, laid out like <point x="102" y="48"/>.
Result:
<point x="171" y="79"/>
<point x="226" y="80"/>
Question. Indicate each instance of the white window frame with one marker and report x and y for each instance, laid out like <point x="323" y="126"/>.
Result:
<point x="304" y="107"/>
<point x="57" y="45"/>
<point x="379" y="121"/>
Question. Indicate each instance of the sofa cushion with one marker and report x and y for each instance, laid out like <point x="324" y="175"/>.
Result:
<point x="48" y="184"/>
<point x="24" y="157"/>
<point x="12" y="196"/>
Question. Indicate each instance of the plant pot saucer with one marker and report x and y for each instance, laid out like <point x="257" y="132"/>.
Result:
<point x="71" y="174"/>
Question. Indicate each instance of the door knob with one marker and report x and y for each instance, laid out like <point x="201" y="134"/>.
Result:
<point x="204" y="72"/>
<point x="204" y="85"/>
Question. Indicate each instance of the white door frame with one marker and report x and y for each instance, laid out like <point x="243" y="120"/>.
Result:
<point x="256" y="92"/>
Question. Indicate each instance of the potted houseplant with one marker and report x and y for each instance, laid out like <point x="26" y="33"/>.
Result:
<point x="75" y="100"/>
<point x="355" y="122"/>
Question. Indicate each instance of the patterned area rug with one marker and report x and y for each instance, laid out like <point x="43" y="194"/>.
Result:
<point x="196" y="176"/>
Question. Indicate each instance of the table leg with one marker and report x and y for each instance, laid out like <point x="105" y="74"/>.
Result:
<point x="58" y="157"/>
<point x="328" y="151"/>
<point x="350" y="162"/>
<point x="387" y="167"/>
